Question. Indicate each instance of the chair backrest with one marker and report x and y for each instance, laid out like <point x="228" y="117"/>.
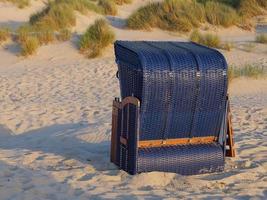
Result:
<point x="182" y="87"/>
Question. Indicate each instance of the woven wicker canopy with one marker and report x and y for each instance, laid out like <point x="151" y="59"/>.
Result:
<point x="174" y="113"/>
<point x="182" y="87"/>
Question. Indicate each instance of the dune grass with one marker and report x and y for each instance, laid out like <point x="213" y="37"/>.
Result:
<point x="18" y="3"/>
<point x="248" y="47"/>
<point x="53" y="20"/>
<point x="220" y="14"/>
<point x="184" y="15"/>
<point x="45" y="37"/>
<point x="96" y="38"/>
<point x="121" y="2"/>
<point x="4" y="34"/>
<point x="108" y="6"/>
<point x="251" y="8"/>
<point x="210" y="40"/>
<point x="250" y="71"/>
<point x="173" y="15"/>
<point x="64" y="35"/>
<point x="23" y="33"/>
<point x="262" y="38"/>
<point x="29" y="46"/>
<point x="54" y="17"/>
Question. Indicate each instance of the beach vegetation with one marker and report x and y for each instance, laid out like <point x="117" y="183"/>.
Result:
<point x="108" y="7"/>
<point x="18" y="3"/>
<point x="251" y="71"/>
<point x="121" y="2"/>
<point x="185" y="15"/>
<point x="173" y="15"/>
<point x="262" y="38"/>
<point x="4" y="34"/>
<point x="96" y="38"/>
<point x="220" y="14"/>
<point x="29" y="46"/>
<point x="64" y="35"/>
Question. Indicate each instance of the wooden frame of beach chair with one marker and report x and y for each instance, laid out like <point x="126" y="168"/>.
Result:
<point x="175" y="114"/>
<point x="118" y="140"/>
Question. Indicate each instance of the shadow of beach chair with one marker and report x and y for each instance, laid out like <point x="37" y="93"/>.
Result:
<point x="174" y="115"/>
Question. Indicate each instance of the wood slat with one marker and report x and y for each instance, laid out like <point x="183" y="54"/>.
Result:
<point x="179" y="141"/>
<point x="123" y="140"/>
<point x="230" y="136"/>
<point x="130" y="100"/>
<point x="114" y="131"/>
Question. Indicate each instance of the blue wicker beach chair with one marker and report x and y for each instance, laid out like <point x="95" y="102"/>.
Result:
<point x="174" y="114"/>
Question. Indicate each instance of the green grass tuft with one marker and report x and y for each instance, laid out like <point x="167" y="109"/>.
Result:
<point x="4" y="34"/>
<point x="29" y="46"/>
<point x="262" y="38"/>
<point x="97" y="36"/>
<point x="108" y="6"/>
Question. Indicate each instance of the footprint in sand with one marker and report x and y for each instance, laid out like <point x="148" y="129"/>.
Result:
<point x="247" y="117"/>
<point x="256" y="110"/>
<point x="96" y="113"/>
<point x="27" y="186"/>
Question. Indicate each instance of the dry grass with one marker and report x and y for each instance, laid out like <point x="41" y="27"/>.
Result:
<point x="4" y="34"/>
<point x="248" y="47"/>
<point x="19" y="3"/>
<point x="220" y="14"/>
<point x="108" y="6"/>
<point x="183" y="15"/>
<point x="262" y="38"/>
<point x="250" y="8"/>
<point x="29" y="46"/>
<point x="173" y="15"/>
<point x="64" y="35"/>
<point x="121" y="2"/>
<point x="208" y="39"/>
<point x="45" y="37"/>
<point x="246" y="71"/>
<point x="55" y="16"/>
<point x="23" y="33"/>
<point x="96" y="38"/>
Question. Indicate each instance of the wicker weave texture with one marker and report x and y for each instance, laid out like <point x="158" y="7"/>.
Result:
<point x="182" y="89"/>
<point x="182" y="159"/>
<point x="181" y="86"/>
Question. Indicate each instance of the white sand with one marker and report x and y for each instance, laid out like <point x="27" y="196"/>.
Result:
<point x="55" y="121"/>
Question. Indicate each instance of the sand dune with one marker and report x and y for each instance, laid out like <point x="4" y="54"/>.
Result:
<point x="55" y="122"/>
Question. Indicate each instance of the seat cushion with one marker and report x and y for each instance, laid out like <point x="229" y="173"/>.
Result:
<point x="182" y="159"/>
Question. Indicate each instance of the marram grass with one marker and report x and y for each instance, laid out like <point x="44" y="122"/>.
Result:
<point x="96" y="38"/>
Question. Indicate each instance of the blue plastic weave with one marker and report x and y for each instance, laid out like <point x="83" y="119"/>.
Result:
<point x="181" y="86"/>
<point x="182" y="159"/>
<point x="182" y="89"/>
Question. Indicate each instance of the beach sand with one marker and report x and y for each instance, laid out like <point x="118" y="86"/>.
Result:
<point x="55" y="127"/>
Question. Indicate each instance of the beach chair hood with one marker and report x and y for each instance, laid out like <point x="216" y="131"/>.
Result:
<point x="182" y="87"/>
